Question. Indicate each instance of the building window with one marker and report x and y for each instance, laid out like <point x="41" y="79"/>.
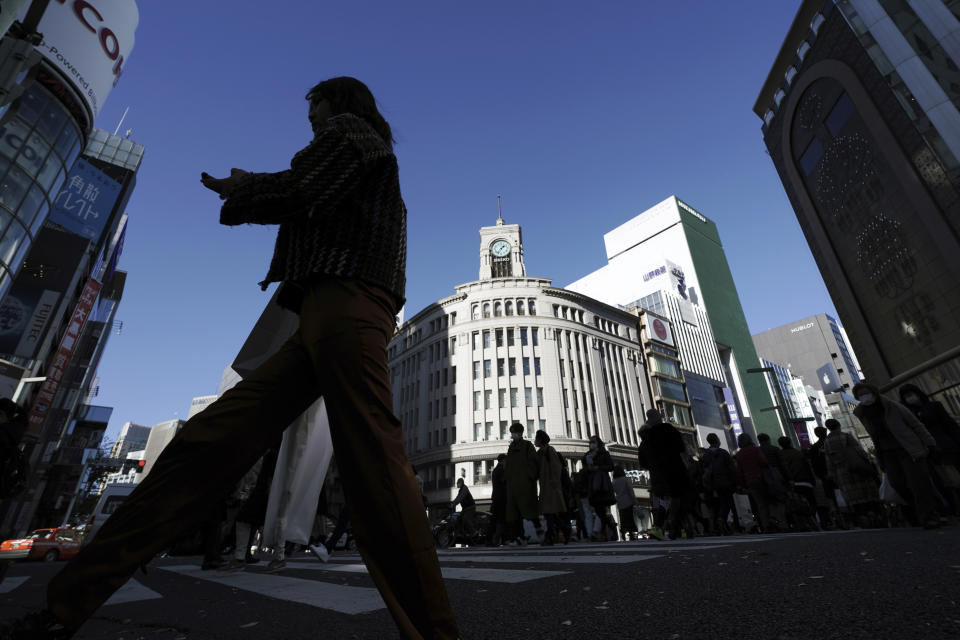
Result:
<point x="478" y="430"/>
<point x="532" y="307"/>
<point x="497" y="309"/>
<point x="536" y="366"/>
<point x="520" y="308"/>
<point x="508" y="308"/>
<point x="487" y="368"/>
<point x="512" y="364"/>
<point x="453" y="375"/>
<point x="539" y="396"/>
<point x="445" y="406"/>
<point x="503" y="429"/>
<point x="523" y="336"/>
<point x="476" y="369"/>
<point x="514" y="398"/>
<point x="499" y="334"/>
<point x="534" y="336"/>
<point x="486" y="309"/>
<point x="527" y="397"/>
<point x="476" y="401"/>
<point x="510" y="340"/>
<point x="526" y="366"/>
<point x="502" y="394"/>
<point x="487" y="399"/>
<point x="486" y="339"/>
<point x="501" y="370"/>
<point x="476" y="311"/>
<point x="476" y="340"/>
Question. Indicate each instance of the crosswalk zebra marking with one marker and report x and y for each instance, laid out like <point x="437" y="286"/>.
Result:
<point x="9" y="584"/>
<point x="132" y="591"/>
<point x="509" y="576"/>
<point x="565" y="559"/>
<point x="323" y="595"/>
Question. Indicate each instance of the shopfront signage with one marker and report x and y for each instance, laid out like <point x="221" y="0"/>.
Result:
<point x="60" y="361"/>
<point x="803" y="327"/>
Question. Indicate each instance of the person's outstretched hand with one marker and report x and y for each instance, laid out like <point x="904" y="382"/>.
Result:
<point x="222" y="186"/>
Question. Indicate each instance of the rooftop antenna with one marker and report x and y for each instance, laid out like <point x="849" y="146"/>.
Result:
<point x="121" y="120"/>
<point x="499" y="212"/>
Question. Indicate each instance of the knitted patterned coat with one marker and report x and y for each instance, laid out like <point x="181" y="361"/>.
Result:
<point x="339" y="209"/>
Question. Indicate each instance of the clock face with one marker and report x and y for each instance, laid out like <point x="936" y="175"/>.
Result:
<point x="500" y="248"/>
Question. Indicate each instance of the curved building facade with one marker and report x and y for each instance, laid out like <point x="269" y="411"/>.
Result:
<point x="40" y="139"/>
<point x="510" y="348"/>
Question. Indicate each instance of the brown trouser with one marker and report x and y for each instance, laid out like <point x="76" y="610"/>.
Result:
<point x="338" y="352"/>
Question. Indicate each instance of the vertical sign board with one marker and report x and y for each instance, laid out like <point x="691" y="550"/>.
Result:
<point x="803" y="435"/>
<point x="60" y="361"/>
<point x="85" y="201"/>
<point x="732" y="410"/>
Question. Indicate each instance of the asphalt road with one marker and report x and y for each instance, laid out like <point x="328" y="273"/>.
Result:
<point x="897" y="583"/>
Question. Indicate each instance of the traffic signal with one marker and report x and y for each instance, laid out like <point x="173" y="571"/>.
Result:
<point x="140" y="465"/>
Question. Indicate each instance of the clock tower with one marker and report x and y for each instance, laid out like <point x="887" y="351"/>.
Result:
<point x="501" y="250"/>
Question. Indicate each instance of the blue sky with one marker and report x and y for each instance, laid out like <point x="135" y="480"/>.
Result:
<point x="580" y="118"/>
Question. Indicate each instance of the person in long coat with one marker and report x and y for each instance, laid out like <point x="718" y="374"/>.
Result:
<point x="858" y="488"/>
<point x="552" y="502"/>
<point x="626" y="500"/>
<point x="903" y="450"/>
<point x="598" y="465"/>
<point x="498" y="501"/>
<point x="661" y="451"/>
<point x="522" y="470"/>
<point x="946" y="432"/>
<point x="751" y="464"/>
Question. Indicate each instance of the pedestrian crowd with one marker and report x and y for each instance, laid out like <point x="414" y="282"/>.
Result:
<point x="912" y="476"/>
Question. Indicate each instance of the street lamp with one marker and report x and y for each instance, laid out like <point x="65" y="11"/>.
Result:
<point x="781" y="406"/>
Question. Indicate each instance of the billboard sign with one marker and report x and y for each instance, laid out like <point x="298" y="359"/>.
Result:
<point x="89" y="41"/>
<point x="60" y="361"/>
<point x="85" y="201"/>
<point x="28" y="307"/>
<point x="732" y="410"/>
<point x="659" y="329"/>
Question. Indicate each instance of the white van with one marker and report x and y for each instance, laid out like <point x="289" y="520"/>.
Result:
<point x="111" y="498"/>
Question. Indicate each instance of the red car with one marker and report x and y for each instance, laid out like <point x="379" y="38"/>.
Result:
<point x="43" y="544"/>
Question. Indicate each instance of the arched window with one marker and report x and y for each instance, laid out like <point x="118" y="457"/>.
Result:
<point x="509" y="307"/>
<point x="532" y="306"/>
<point x="520" y="308"/>
<point x="476" y="312"/>
<point x="486" y="309"/>
<point x="497" y="309"/>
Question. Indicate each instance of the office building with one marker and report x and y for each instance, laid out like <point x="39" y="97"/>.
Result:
<point x="669" y="259"/>
<point x="859" y="115"/>
<point x="132" y="437"/>
<point x="200" y="403"/>
<point x="160" y="436"/>
<point x="813" y="349"/>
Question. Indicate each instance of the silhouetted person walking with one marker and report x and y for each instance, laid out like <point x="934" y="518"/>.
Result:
<point x="340" y="255"/>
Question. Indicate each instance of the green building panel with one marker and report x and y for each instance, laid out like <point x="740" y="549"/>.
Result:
<point x="719" y="294"/>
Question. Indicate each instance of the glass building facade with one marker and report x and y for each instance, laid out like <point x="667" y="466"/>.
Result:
<point x="39" y="142"/>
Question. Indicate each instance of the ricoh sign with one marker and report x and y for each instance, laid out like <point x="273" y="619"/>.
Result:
<point x="89" y="41"/>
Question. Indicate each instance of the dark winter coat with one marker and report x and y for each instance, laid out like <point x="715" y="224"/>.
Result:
<point x="522" y="469"/>
<point x="719" y="471"/>
<point x="750" y="464"/>
<point x="498" y="497"/>
<point x="938" y="423"/>
<point x="661" y="450"/>
<point x="551" y="487"/>
<point x="598" y="465"/>
<point x="796" y="467"/>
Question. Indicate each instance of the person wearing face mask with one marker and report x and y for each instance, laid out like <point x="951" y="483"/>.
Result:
<point x="522" y="471"/>
<point x="944" y="429"/>
<point x="903" y="447"/>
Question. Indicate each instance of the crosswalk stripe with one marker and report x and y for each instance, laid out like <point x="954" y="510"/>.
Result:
<point x="9" y="584"/>
<point x="566" y="559"/>
<point x="323" y="595"/>
<point x="443" y="555"/>
<point x="510" y="576"/>
<point x="132" y="591"/>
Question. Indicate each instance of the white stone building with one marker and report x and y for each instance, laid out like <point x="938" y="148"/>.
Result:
<point x="512" y="348"/>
